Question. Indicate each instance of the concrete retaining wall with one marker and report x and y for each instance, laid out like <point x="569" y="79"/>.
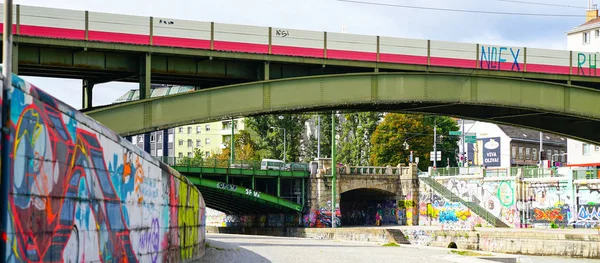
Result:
<point x="571" y="243"/>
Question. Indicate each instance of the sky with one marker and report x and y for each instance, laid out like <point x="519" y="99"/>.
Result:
<point x="332" y="16"/>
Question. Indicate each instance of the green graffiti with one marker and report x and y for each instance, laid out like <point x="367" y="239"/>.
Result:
<point x="506" y="194"/>
<point x="188" y="220"/>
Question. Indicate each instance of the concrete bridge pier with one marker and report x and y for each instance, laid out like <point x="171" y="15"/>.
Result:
<point x="361" y="193"/>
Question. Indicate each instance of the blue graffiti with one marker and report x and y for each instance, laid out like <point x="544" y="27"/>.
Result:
<point x="494" y="58"/>
<point x="447" y="216"/>
<point x="581" y="60"/>
<point x="150" y="239"/>
<point x="83" y="212"/>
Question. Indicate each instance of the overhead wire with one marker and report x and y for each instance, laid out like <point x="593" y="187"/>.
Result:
<point x="461" y="10"/>
<point x="540" y="3"/>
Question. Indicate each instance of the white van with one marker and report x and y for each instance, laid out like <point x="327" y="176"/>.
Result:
<point x="271" y="164"/>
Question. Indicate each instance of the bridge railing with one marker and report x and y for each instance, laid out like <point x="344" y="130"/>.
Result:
<point x="227" y="163"/>
<point x="373" y="170"/>
<point x="523" y="172"/>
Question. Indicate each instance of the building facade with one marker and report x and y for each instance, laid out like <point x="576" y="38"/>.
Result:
<point x="183" y="141"/>
<point x="208" y="138"/>
<point x="585" y="37"/>
<point x="503" y="146"/>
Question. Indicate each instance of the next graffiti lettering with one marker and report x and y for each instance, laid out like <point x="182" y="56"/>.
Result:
<point x="495" y="56"/>
<point x="582" y="60"/>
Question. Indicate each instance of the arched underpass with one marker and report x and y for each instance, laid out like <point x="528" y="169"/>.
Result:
<point x="358" y="207"/>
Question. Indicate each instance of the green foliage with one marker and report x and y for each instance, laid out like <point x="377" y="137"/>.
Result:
<point x="355" y="142"/>
<point x="245" y="148"/>
<point x="417" y="131"/>
<point x="269" y="142"/>
<point x="197" y="160"/>
<point x="553" y="225"/>
<point x="312" y="144"/>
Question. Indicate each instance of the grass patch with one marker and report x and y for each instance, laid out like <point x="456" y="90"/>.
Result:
<point x="391" y="245"/>
<point x="469" y="253"/>
<point x="208" y="245"/>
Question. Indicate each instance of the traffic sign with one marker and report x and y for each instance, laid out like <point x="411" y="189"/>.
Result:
<point x="438" y="157"/>
<point x="455" y="133"/>
<point x="471" y="137"/>
<point x="470" y="140"/>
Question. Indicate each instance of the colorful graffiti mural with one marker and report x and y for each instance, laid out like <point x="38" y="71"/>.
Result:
<point x="80" y="193"/>
<point x="322" y="218"/>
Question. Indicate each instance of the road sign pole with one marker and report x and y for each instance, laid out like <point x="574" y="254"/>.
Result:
<point x="435" y="142"/>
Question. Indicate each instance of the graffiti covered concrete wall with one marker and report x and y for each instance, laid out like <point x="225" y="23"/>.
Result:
<point x="80" y="193"/>
<point x="436" y="210"/>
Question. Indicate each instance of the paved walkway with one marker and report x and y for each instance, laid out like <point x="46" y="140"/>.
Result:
<point x="242" y="248"/>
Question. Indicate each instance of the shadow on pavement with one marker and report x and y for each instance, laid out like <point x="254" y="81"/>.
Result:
<point x="217" y="251"/>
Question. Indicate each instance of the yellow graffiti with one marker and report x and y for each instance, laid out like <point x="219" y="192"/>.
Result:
<point x="188" y="220"/>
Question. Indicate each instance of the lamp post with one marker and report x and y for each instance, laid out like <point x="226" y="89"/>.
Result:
<point x="284" y="140"/>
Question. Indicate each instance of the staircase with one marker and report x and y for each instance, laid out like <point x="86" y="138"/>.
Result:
<point x="475" y="208"/>
<point x="398" y="236"/>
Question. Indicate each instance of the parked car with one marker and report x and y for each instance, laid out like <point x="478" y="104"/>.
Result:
<point x="271" y="164"/>
<point x="296" y="167"/>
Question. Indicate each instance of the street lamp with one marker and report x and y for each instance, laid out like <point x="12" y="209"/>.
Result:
<point x="284" y="139"/>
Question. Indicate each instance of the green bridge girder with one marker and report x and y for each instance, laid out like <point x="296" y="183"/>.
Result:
<point x="233" y="199"/>
<point x="564" y="109"/>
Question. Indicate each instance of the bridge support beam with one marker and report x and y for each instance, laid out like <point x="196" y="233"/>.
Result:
<point x="147" y="142"/>
<point x="87" y="92"/>
<point x="145" y="76"/>
<point x="165" y="143"/>
<point x="278" y="186"/>
<point x="15" y="58"/>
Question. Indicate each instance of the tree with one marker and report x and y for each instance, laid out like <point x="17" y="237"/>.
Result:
<point x="245" y="148"/>
<point x="447" y="144"/>
<point x="312" y="144"/>
<point x="269" y="130"/>
<point x="389" y="139"/>
<point x="356" y="132"/>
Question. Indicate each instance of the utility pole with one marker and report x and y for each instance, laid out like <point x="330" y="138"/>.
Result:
<point x="464" y="144"/>
<point x="7" y="42"/>
<point x="232" y="142"/>
<point x="333" y="170"/>
<point x="541" y="148"/>
<point x="434" y="142"/>
<point x="319" y="136"/>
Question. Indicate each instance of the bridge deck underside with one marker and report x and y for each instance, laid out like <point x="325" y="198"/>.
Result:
<point x="233" y="203"/>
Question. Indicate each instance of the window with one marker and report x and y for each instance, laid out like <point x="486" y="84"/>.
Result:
<point x="180" y="129"/>
<point x="563" y="157"/>
<point x="152" y="138"/>
<point x="587" y="149"/>
<point x="189" y="154"/>
<point x="198" y="129"/>
<point x="189" y="130"/>
<point x="548" y="154"/>
<point x="180" y="155"/>
<point x="198" y="143"/>
<point x="207" y="127"/>
<point x="141" y="139"/>
<point x="207" y="154"/>
<point x="159" y="137"/>
<point x="556" y="154"/>
<point x="527" y="153"/>
<point x="190" y="143"/>
<point x="207" y="141"/>
<point x="520" y="152"/>
<point x="513" y="153"/>
<point x="534" y="155"/>
<point x="598" y="148"/>
<point x="180" y="142"/>
<point x="597" y="33"/>
<point x="586" y="37"/>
